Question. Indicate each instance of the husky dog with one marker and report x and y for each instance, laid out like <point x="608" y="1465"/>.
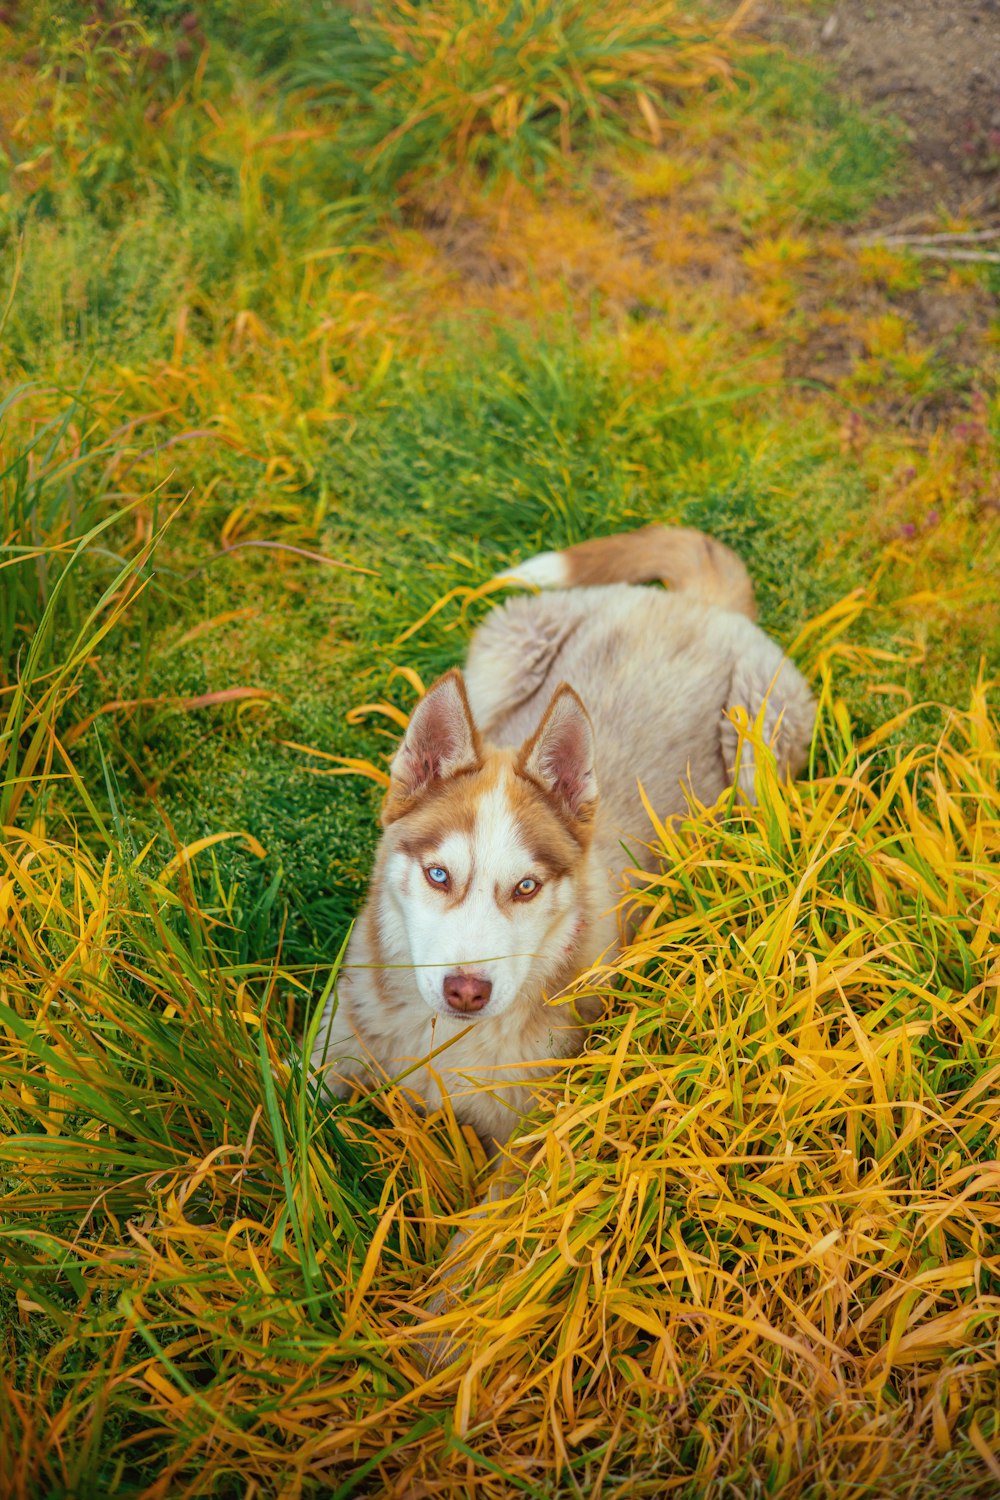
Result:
<point x="512" y="794"/>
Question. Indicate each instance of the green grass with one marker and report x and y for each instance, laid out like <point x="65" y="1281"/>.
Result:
<point x="822" y="161"/>
<point x="296" y="349"/>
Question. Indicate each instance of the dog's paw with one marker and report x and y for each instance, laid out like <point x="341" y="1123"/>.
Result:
<point x="437" y="1348"/>
<point x="438" y="1351"/>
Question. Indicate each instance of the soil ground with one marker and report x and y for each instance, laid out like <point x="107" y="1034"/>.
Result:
<point x="932" y="65"/>
<point x="935" y="64"/>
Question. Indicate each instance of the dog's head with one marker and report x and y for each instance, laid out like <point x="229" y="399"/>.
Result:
<point x="485" y="854"/>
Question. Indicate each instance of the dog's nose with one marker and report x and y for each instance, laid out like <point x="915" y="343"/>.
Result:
<point x="465" y="993"/>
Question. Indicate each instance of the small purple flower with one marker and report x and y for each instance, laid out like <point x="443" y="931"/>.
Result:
<point x="932" y="518"/>
<point x="908" y="529"/>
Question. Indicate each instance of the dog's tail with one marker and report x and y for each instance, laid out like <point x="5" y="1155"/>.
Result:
<point x="688" y="560"/>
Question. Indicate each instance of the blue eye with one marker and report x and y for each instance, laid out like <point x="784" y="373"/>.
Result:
<point x="526" y="888"/>
<point x="437" y="876"/>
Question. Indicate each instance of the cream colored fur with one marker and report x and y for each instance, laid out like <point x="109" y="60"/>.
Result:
<point x="659" y="673"/>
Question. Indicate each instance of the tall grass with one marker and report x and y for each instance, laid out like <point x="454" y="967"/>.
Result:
<point x="756" y="1246"/>
<point x="503" y="88"/>
<point x="56" y="505"/>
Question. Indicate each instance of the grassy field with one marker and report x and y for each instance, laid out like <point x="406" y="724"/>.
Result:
<point x="311" y="318"/>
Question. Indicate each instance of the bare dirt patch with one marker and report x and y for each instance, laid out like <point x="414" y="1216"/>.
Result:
<point x="935" y="64"/>
<point x="885" y="319"/>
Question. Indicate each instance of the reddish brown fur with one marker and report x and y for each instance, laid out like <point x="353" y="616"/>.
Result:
<point x="581" y="824"/>
<point x="398" y="800"/>
<point x="450" y="807"/>
<point x="444" y="807"/>
<point x="680" y="556"/>
<point x="554" y="850"/>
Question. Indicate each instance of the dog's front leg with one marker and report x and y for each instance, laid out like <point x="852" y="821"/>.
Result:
<point x="437" y="1348"/>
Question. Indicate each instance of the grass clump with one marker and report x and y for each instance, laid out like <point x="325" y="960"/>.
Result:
<point x="502" y="88"/>
<point x="823" y="158"/>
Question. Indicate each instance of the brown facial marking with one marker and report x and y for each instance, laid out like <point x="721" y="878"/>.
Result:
<point x="552" y="851"/>
<point x="450" y="808"/>
<point x="445" y="810"/>
<point x="554" y="841"/>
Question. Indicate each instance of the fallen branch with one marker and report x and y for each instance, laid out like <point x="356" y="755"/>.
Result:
<point x="938" y="252"/>
<point x="947" y="236"/>
<point x="918" y="241"/>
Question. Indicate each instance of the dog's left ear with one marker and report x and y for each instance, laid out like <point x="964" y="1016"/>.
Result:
<point x="440" y="741"/>
<point x="560" y="756"/>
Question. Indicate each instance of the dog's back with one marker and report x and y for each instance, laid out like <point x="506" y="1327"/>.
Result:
<point x="658" y="671"/>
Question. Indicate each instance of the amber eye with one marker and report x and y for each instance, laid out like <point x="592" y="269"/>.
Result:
<point x="526" y="888"/>
<point x="438" y="877"/>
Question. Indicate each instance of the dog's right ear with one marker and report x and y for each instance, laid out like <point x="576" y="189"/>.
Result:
<point x="441" y="741"/>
